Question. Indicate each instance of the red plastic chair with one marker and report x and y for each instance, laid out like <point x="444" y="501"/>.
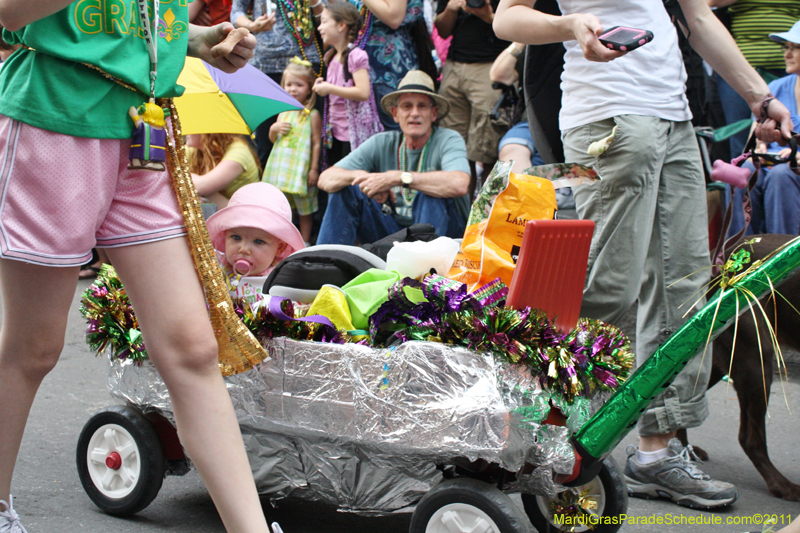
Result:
<point x="551" y="269"/>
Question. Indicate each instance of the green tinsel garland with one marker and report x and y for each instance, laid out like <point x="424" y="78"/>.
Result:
<point x="111" y="319"/>
<point x="594" y="356"/>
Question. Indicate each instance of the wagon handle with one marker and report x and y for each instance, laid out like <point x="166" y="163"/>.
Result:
<point x="609" y="425"/>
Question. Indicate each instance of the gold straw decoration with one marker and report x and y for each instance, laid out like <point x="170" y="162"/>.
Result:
<point x="238" y="348"/>
<point x="732" y="272"/>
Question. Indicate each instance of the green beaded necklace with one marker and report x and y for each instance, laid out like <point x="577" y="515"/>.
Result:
<point x="402" y="162"/>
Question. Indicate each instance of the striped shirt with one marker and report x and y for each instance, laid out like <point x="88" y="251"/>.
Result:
<point x="754" y="20"/>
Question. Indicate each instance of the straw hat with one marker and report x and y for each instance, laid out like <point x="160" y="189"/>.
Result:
<point x="416" y="81"/>
<point x="257" y="205"/>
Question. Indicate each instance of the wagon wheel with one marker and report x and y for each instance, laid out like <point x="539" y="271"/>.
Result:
<point x="601" y="501"/>
<point x="120" y="460"/>
<point x="467" y="505"/>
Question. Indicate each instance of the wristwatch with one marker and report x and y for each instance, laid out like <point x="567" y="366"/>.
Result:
<point x="406" y="178"/>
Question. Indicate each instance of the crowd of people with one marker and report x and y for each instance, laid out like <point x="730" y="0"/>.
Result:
<point x="360" y="53"/>
<point x="345" y="78"/>
<point x="384" y="139"/>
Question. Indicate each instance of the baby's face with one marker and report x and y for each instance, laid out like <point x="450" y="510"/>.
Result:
<point x="254" y="249"/>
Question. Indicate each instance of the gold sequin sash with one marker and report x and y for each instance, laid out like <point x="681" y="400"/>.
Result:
<point x="238" y="348"/>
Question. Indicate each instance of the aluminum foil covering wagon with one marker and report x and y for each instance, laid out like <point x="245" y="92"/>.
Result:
<point x="367" y="430"/>
<point x="445" y="429"/>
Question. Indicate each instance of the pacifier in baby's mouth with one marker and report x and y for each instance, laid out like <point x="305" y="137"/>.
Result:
<point x="243" y="267"/>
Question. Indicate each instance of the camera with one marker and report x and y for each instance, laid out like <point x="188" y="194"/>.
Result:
<point x="507" y="104"/>
<point x="475" y="4"/>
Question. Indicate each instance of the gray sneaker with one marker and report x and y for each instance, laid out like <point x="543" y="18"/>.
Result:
<point x="9" y="519"/>
<point x="676" y="478"/>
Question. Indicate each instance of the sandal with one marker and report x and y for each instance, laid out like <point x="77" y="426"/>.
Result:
<point x="88" y="272"/>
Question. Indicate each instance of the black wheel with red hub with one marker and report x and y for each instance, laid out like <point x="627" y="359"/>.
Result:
<point x="120" y="460"/>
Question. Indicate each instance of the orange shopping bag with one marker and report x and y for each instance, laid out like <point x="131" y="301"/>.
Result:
<point x="496" y="222"/>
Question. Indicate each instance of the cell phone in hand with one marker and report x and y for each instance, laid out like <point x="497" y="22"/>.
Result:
<point x="625" y="39"/>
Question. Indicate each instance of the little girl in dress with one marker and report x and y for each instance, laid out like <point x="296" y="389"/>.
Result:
<point x="293" y="164"/>
<point x="351" y="116"/>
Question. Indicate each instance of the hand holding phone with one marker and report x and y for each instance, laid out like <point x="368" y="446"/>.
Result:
<point x="268" y="7"/>
<point x="625" y="39"/>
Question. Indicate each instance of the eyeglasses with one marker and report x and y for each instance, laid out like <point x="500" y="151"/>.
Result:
<point x="790" y="46"/>
<point x="408" y="106"/>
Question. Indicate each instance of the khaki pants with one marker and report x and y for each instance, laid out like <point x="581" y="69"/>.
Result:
<point x="650" y="244"/>
<point x="469" y="90"/>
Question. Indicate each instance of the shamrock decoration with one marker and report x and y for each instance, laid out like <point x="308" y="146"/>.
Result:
<point x="733" y="265"/>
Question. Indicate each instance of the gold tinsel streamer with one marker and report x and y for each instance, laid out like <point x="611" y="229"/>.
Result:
<point x="238" y="348"/>
<point x="575" y="510"/>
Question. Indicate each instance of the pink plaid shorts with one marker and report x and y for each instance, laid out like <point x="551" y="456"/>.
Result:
<point x="61" y="196"/>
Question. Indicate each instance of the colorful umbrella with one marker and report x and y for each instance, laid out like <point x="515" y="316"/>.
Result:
<point x="217" y="102"/>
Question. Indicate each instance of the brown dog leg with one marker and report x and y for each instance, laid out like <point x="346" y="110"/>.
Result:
<point x="752" y="382"/>
<point x="683" y="436"/>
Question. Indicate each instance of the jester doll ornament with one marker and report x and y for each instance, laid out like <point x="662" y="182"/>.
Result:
<point x="149" y="140"/>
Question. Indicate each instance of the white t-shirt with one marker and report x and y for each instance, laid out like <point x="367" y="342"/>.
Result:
<point x="248" y="287"/>
<point x="650" y="80"/>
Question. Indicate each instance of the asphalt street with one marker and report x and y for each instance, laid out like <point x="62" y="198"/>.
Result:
<point x="50" y="499"/>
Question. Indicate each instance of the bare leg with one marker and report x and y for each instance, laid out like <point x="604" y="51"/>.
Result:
<point x="518" y="153"/>
<point x="655" y="442"/>
<point x="181" y="344"/>
<point x="794" y="527"/>
<point x="306" y="223"/>
<point x="218" y="199"/>
<point x="101" y="253"/>
<point x="30" y="344"/>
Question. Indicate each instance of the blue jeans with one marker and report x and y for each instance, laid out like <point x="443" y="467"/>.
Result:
<point x="775" y="202"/>
<point x="352" y="214"/>
<point x="735" y="108"/>
<point x="521" y="134"/>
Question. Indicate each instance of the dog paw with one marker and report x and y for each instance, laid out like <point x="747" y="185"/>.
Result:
<point x="700" y="453"/>
<point x="786" y="491"/>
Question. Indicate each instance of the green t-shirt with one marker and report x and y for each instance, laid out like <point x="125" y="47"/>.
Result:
<point x="239" y="152"/>
<point x="51" y="89"/>
<point x="447" y="152"/>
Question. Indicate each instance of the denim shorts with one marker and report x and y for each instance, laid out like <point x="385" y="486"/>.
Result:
<point x="519" y="133"/>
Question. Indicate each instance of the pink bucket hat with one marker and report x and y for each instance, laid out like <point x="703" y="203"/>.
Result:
<point x="257" y="205"/>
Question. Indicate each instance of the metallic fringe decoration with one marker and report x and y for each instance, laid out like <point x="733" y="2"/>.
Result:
<point x="575" y="510"/>
<point x="238" y="348"/>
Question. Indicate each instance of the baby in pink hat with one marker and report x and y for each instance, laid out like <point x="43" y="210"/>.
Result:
<point x="252" y="235"/>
